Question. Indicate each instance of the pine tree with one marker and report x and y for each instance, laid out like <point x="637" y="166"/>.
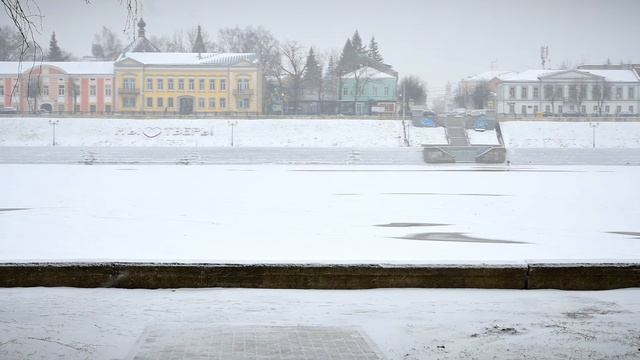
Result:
<point x="330" y="79"/>
<point x="374" y="51"/>
<point x="313" y="73"/>
<point x="348" y="59"/>
<point x="54" y="54"/>
<point x="198" y="45"/>
<point x="356" y="42"/>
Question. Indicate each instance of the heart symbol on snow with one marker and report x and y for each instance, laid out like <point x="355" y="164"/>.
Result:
<point x="152" y="132"/>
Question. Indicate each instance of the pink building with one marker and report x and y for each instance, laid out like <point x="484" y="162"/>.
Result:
<point x="61" y="87"/>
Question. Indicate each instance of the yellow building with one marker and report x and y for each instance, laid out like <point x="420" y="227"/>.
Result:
<point x="186" y="83"/>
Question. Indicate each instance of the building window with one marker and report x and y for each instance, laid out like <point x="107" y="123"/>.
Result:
<point x="212" y="103"/>
<point x="559" y="109"/>
<point x="180" y="84"/>
<point x="375" y="91"/>
<point x="92" y="108"/>
<point x="60" y="90"/>
<point x="559" y="92"/>
<point x="129" y="84"/>
<point x="149" y="84"/>
<point x="386" y="91"/>
<point x="160" y="102"/>
<point x="536" y="92"/>
<point x="243" y="104"/>
<point x="160" y="84"/>
<point x="618" y="93"/>
<point x="243" y="84"/>
<point x="631" y="92"/>
<point x="45" y="90"/>
<point x="595" y="109"/>
<point x="618" y="109"/>
<point x="201" y="84"/>
<point x="129" y="102"/>
<point x="512" y="108"/>
<point x="523" y="110"/>
<point x="223" y="85"/>
<point x="535" y="108"/>
<point x="524" y="93"/>
<point x="607" y="109"/>
<point x="107" y="108"/>
<point x="92" y="90"/>
<point x="170" y="102"/>
<point x="201" y="103"/>
<point x="170" y="83"/>
<point x="223" y="103"/>
<point x="212" y="84"/>
<point x="547" y="108"/>
<point x="192" y="84"/>
<point x="345" y="91"/>
<point x="1" y="90"/>
<point x="149" y="102"/>
<point x="631" y="109"/>
<point x="512" y="92"/>
<point x="107" y="90"/>
<point x="583" y="109"/>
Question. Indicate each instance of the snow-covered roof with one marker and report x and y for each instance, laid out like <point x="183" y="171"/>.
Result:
<point x="368" y="72"/>
<point x="615" y="75"/>
<point x="162" y="58"/>
<point x="488" y="75"/>
<point x="608" y="75"/>
<point x="528" y="75"/>
<point x="70" y="67"/>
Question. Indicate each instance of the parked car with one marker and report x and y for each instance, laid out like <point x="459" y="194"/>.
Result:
<point x="427" y="119"/>
<point x="571" y="113"/>
<point x="626" y="113"/>
<point x="480" y="124"/>
<point x="8" y="110"/>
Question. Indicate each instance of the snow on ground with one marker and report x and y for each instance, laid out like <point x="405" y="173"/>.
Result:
<point x="319" y="214"/>
<point x="214" y="132"/>
<point x="550" y="134"/>
<point x="413" y="324"/>
<point x="487" y="137"/>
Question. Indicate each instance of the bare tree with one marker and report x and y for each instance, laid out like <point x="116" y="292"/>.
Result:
<point x="106" y="45"/>
<point x="601" y="92"/>
<point x="294" y="67"/>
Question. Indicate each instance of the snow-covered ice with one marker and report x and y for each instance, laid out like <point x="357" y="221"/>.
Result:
<point x="319" y="214"/>
<point x="412" y="324"/>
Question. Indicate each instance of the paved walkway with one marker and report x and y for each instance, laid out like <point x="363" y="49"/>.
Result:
<point x="244" y="342"/>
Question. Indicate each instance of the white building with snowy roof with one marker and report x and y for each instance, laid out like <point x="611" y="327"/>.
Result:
<point x="569" y="92"/>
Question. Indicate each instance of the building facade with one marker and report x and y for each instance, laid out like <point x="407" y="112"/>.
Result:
<point x="188" y="83"/>
<point x="60" y="87"/>
<point x="367" y="91"/>
<point x="594" y="92"/>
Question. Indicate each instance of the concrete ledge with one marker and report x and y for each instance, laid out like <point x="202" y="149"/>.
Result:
<point x="152" y="276"/>
<point x="583" y="276"/>
<point x="495" y="155"/>
<point x="436" y="155"/>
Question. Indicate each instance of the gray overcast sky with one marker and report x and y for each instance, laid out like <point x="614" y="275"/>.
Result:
<point x="437" y="40"/>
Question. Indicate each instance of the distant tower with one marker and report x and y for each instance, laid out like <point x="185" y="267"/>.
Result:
<point x="544" y="55"/>
<point x="198" y="45"/>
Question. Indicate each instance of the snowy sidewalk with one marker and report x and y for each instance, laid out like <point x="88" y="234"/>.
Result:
<point x="62" y="323"/>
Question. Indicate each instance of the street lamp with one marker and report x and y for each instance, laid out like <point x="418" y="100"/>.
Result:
<point x="593" y="127"/>
<point x="232" y="123"/>
<point x="53" y="124"/>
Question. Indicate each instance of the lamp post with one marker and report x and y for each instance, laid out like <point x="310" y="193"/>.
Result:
<point x="593" y="128"/>
<point x="232" y="123"/>
<point x="53" y="124"/>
